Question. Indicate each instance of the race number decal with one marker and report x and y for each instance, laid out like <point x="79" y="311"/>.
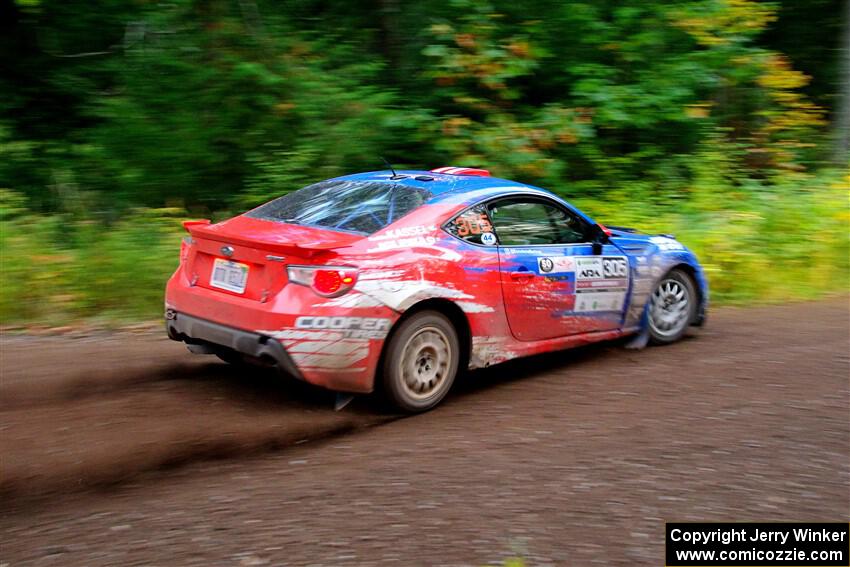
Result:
<point x="473" y="224"/>
<point x="615" y="267"/>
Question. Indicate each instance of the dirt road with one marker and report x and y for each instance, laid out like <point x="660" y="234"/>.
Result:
<point x="576" y="458"/>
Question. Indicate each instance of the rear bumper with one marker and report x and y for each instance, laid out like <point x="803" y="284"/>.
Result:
<point x="194" y="330"/>
<point x="313" y="338"/>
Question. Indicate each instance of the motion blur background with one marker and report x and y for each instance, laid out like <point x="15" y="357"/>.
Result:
<point x="725" y="122"/>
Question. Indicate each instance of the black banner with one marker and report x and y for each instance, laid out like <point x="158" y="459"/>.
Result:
<point x="807" y="544"/>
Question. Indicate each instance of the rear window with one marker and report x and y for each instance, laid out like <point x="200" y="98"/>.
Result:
<point x="356" y="206"/>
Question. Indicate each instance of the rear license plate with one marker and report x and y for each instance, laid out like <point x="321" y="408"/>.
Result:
<point x="228" y="275"/>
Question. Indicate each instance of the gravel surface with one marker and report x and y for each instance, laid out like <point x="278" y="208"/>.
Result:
<point x="576" y="458"/>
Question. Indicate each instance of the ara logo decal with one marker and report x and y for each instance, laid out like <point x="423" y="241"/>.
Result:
<point x="589" y="268"/>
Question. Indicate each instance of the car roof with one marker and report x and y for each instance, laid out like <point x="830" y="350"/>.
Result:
<point x="459" y="189"/>
<point x="442" y="184"/>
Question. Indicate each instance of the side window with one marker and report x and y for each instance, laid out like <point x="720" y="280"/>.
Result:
<point x="529" y="222"/>
<point x="473" y="225"/>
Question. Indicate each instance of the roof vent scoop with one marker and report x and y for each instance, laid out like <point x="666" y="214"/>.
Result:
<point x="462" y="171"/>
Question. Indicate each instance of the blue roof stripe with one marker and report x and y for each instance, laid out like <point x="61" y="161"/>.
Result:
<point x="441" y="183"/>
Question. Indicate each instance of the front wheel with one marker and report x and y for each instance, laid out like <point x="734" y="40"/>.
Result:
<point x="672" y="307"/>
<point x="421" y="361"/>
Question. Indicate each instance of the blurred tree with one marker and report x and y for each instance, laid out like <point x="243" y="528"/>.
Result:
<point x="810" y="34"/>
<point x="842" y="118"/>
<point x="223" y="103"/>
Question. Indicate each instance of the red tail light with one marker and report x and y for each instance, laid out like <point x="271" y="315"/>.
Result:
<point x="327" y="281"/>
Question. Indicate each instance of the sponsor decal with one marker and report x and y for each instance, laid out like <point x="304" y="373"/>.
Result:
<point x="488" y="239"/>
<point x="350" y="327"/>
<point x="596" y="284"/>
<point x="420" y="236"/>
<point x="412" y="242"/>
<point x="589" y="268"/>
<point x="404" y="232"/>
<point x="524" y="251"/>
<point x="556" y="264"/>
<point x="600" y="301"/>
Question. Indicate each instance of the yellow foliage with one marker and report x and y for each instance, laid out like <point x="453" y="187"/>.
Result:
<point x="791" y="116"/>
<point x="698" y="110"/>
<point x="734" y="18"/>
<point x="779" y="77"/>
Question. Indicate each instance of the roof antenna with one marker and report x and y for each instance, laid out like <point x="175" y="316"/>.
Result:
<point x="395" y="175"/>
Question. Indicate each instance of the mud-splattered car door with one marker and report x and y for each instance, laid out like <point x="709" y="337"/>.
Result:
<point x="555" y="282"/>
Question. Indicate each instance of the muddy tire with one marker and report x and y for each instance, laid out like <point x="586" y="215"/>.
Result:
<point x="421" y="362"/>
<point x="672" y="307"/>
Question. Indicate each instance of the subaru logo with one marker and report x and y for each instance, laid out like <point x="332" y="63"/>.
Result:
<point x="227" y="251"/>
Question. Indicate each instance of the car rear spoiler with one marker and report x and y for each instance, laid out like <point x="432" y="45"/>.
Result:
<point x="305" y="249"/>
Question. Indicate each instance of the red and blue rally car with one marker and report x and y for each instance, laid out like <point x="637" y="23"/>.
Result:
<point x="399" y="279"/>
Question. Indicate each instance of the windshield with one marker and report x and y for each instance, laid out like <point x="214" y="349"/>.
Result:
<point x="358" y="206"/>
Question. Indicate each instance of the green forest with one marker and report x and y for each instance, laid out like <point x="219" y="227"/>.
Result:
<point x="725" y="122"/>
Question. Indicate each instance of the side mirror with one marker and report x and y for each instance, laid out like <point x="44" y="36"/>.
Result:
<point x="599" y="237"/>
<point x="600" y="234"/>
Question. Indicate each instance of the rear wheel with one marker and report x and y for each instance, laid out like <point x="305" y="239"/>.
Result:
<point x="672" y="307"/>
<point x="421" y="361"/>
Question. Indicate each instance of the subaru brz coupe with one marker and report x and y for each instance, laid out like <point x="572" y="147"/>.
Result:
<point x="399" y="280"/>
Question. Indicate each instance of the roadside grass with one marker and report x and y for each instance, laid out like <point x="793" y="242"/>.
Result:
<point x="758" y="243"/>
<point x="57" y="270"/>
